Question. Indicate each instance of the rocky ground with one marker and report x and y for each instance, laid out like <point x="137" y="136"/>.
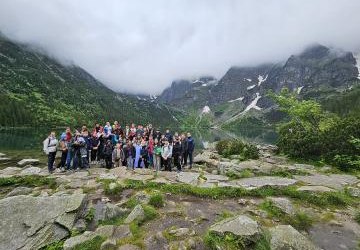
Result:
<point x="269" y="203"/>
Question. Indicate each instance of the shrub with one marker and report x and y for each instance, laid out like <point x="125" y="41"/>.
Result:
<point x="246" y="151"/>
<point x="357" y="217"/>
<point x="227" y="241"/>
<point x="90" y="215"/>
<point x="311" y="133"/>
<point x="156" y="200"/>
<point x="93" y="244"/>
<point x="301" y="221"/>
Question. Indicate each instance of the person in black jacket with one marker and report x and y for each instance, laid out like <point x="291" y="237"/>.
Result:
<point x="108" y="150"/>
<point x="190" y="148"/>
<point x="169" y="136"/>
<point x="184" y="150"/>
<point x="176" y="153"/>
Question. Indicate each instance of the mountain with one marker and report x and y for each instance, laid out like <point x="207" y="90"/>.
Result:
<point x="317" y="73"/>
<point x="35" y="89"/>
<point x="188" y="93"/>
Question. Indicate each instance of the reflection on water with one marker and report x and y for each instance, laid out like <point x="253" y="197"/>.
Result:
<point x="31" y="138"/>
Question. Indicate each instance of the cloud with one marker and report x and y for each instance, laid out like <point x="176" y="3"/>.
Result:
<point x="141" y="46"/>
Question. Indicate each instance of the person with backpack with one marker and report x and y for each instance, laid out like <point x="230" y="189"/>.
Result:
<point x="118" y="155"/>
<point x="50" y="148"/>
<point x="190" y="147"/>
<point x="166" y="153"/>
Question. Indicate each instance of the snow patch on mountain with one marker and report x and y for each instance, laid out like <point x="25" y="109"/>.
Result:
<point x="204" y="84"/>
<point x="252" y="105"/>
<point x="299" y="89"/>
<point x="237" y="99"/>
<point x="251" y="87"/>
<point x="206" y="110"/>
<point x="357" y="57"/>
<point x="261" y="79"/>
<point x="247" y="79"/>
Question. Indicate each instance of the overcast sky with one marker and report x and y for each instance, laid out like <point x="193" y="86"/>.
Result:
<point x="141" y="46"/>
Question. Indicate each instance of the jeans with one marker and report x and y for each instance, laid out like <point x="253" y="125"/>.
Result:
<point x="157" y="162"/>
<point x="84" y="162"/>
<point x="93" y="154"/>
<point x="184" y="158"/>
<point x="177" y="162"/>
<point x="69" y="158"/>
<point x="51" y="160"/>
<point x="76" y="159"/>
<point x="63" y="159"/>
<point x="130" y="162"/>
<point x="190" y="155"/>
<point x="108" y="161"/>
<point x="167" y="164"/>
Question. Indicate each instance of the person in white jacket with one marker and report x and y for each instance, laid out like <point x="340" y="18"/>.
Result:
<point x="50" y="147"/>
<point x="166" y="153"/>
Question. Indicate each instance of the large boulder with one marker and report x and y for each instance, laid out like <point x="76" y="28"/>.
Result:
<point x="25" y="162"/>
<point x="284" y="204"/>
<point x="19" y="191"/>
<point x="31" y="171"/>
<point x="107" y="211"/>
<point x="28" y="222"/>
<point x="207" y="157"/>
<point x="336" y="181"/>
<point x="136" y="214"/>
<point x="262" y="181"/>
<point x="241" y="226"/>
<point x="286" y="237"/>
<point x="111" y="232"/>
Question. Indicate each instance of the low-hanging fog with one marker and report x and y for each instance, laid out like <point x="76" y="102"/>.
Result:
<point x="141" y="46"/>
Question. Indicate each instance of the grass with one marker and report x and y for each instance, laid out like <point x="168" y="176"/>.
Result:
<point x="90" y="215"/>
<point x="328" y="199"/>
<point x="299" y="220"/>
<point x="93" y="244"/>
<point x="28" y="181"/>
<point x="54" y="246"/>
<point x="246" y="173"/>
<point x="229" y="241"/>
<point x="157" y="200"/>
<point x="224" y="215"/>
<point x="137" y="231"/>
<point x="357" y="217"/>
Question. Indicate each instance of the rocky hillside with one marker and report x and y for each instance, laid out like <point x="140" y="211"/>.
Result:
<point x="37" y="90"/>
<point x="318" y="72"/>
<point x="222" y="203"/>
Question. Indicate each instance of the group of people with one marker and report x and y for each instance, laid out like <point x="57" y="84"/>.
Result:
<point x="113" y="146"/>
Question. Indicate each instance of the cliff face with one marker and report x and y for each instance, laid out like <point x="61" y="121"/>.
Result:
<point x="314" y="73"/>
